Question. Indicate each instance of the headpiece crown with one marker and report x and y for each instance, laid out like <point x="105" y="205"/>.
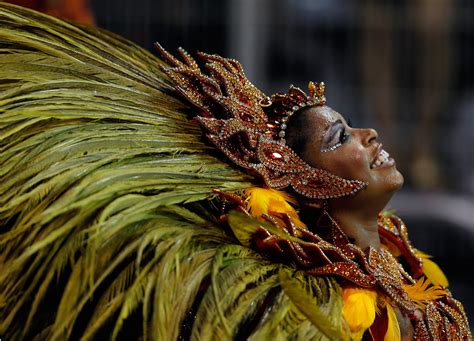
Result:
<point x="249" y="127"/>
<point x="283" y="106"/>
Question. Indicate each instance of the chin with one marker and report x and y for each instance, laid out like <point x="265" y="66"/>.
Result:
<point x="395" y="180"/>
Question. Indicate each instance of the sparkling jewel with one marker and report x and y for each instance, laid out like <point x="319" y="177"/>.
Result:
<point x="276" y="155"/>
<point x="244" y="112"/>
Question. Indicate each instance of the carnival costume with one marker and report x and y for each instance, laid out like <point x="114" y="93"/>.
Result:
<point x="119" y="219"/>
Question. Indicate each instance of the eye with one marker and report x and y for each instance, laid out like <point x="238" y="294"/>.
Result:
<point x="343" y="136"/>
<point x="338" y="140"/>
<point x="349" y="123"/>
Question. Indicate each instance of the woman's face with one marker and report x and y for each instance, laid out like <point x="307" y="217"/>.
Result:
<point x="351" y="153"/>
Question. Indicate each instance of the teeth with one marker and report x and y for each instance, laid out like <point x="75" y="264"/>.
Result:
<point x="381" y="158"/>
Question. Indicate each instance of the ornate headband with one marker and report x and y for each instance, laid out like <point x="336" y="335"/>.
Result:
<point x="249" y="127"/>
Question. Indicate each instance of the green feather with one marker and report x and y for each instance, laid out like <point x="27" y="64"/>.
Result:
<point x="240" y="280"/>
<point x="105" y="201"/>
<point x="319" y="299"/>
<point x="296" y="314"/>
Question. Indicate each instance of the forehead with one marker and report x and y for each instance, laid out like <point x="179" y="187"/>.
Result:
<point x="321" y="118"/>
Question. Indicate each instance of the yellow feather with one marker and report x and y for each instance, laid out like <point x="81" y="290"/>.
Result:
<point x="432" y="270"/>
<point x="266" y="201"/>
<point x="420" y="292"/>
<point x="393" y="329"/>
<point x="359" y="310"/>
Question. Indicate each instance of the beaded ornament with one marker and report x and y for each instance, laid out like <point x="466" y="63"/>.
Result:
<point x="249" y="127"/>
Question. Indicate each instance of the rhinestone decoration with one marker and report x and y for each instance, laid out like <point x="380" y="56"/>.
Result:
<point x="393" y="230"/>
<point x="249" y="127"/>
<point x="285" y="105"/>
<point x="441" y="319"/>
<point x="330" y="149"/>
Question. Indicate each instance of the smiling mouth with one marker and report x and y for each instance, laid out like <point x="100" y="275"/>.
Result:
<point x="382" y="159"/>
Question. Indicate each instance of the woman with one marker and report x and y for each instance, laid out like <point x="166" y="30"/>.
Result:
<point x="339" y="170"/>
<point x="110" y="222"/>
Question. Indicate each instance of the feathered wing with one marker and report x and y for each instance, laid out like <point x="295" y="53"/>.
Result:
<point x="104" y="200"/>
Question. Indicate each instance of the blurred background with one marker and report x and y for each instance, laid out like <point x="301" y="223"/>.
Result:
<point x="402" y="67"/>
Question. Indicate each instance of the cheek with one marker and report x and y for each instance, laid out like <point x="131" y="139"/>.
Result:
<point x="358" y="158"/>
<point x="349" y="163"/>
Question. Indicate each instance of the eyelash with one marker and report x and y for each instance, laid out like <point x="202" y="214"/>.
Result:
<point x="343" y="137"/>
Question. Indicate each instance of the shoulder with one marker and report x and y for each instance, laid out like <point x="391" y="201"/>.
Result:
<point x="394" y="236"/>
<point x="391" y="226"/>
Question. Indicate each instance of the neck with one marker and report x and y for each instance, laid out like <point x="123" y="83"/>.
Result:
<point x="362" y="227"/>
<point x="356" y="216"/>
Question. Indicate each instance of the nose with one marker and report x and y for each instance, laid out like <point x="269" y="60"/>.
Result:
<point x="369" y="136"/>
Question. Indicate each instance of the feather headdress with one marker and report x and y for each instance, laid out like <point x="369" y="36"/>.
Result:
<point x="104" y="202"/>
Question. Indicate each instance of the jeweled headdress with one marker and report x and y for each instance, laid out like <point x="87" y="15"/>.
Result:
<point x="249" y="127"/>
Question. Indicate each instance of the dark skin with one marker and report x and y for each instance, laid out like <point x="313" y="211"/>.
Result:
<point x="353" y="159"/>
<point x="350" y="153"/>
